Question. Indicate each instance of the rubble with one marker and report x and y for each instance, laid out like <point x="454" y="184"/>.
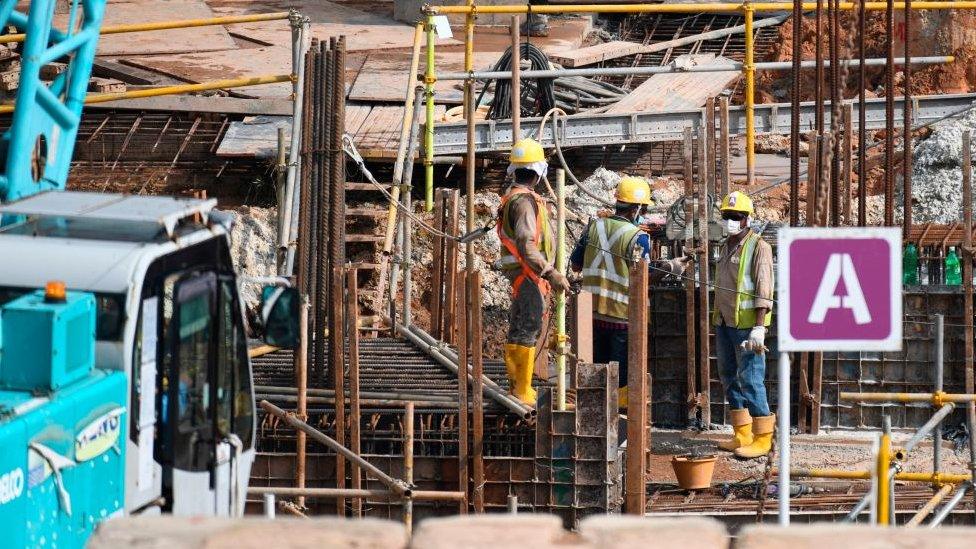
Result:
<point x="937" y="172"/>
<point x="252" y="241"/>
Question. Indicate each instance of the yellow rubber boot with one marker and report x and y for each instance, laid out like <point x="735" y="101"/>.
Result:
<point x="622" y="400"/>
<point x="741" y="430"/>
<point x="762" y="438"/>
<point x="523" y="359"/>
<point x="511" y="366"/>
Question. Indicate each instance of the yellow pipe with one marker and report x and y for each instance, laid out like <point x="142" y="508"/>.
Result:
<point x="561" y="340"/>
<point x="391" y="214"/>
<point x="929" y="506"/>
<point x="429" y="79"/>
<point x="176" y="24"/>
<point x="178" y="89"/>
<point x="840" y="474"/>
<point x="884" y="481"/>
<point x="723" y="7"/>
<point x="749" y="69"/>
<point x="937" y="399"/>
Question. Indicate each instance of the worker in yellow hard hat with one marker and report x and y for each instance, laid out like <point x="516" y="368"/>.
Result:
<point x="527" y="255"/>
<point x="741" y="317"/>
<point x="605" y="253"/>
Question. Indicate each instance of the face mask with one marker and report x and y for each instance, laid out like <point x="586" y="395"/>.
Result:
<point x="733" y="226"/>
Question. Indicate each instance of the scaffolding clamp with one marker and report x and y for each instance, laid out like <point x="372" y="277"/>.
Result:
<point x="939" y="399"/>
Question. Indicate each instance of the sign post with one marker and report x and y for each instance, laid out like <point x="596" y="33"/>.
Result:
<point x="840" y="290"/>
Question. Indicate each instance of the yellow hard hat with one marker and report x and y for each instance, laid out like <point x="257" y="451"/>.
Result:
<point x="737" y="201"/>
<point x="527" y="151"/>
<point x="634" y="190"/>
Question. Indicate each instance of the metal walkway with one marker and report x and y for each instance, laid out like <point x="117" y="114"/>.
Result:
<point x="647" y="127"/>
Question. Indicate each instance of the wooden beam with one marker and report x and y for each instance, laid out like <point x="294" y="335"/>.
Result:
<point x="638" y="394"/>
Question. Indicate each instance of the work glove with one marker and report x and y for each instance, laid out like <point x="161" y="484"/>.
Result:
<point x="558" y="281"/>
<point x="757" y="340"/>
<point x="680" y="264"/>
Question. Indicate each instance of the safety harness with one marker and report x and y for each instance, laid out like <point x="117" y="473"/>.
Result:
<point x="515" y="259"/>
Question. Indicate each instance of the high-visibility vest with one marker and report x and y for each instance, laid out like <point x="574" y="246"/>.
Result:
<point x="606" y="264"/>
<point x="511" y="259"/>
<point x="745" y="302"/>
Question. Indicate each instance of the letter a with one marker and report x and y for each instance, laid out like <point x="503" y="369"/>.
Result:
<point x="839" y="266"/>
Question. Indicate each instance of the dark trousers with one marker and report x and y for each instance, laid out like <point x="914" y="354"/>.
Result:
<point x="525" y="316"/>
<point x="610" y="345"/>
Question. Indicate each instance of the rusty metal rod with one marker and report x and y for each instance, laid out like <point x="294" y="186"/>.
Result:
<point x="478" y="408"/>
<point x="416" y="495"/>
<point x="371" y="402"/>
<point x="408" y="465"/>
<point x="396" y="485"/>
<point x="301" y="379"/>
<point x="355" y="416"/>
<point x="381" y="395"/>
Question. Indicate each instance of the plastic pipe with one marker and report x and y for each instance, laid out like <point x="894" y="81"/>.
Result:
<point x="561" y="295"/>
<point x="429" y="79"/>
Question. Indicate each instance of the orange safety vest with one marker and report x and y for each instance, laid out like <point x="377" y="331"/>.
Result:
<point x="511" y="259"/>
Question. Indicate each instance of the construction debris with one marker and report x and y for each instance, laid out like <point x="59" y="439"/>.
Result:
<point x="937" y="172"/>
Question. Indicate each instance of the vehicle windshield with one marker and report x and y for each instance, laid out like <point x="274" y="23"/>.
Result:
<point x="109" y="315"/>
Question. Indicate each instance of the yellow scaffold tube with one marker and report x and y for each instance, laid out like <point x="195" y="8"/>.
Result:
<point x="561" y="342"/>
<point x="176" y="24"/>
<point x="839" y="474"/>
<point x="749" y="69"/>
<point x="429" y="79"/>
<point x="177" y="89"/>
<point x="936" y="399"/>
<point x="884" y="481"/>
<point x="724" y="7"/>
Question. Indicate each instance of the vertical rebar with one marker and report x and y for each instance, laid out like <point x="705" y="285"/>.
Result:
<point x="408" y="465"/>
<point x="847" y="181"/>
<point x="906" y="164"/>
<point x="818" y="71"/>
<point x="939" y="381"/>
<point x="475" y="342"/>
<point x="723" y="107"/>
<point x="795" y="114"/>
<point x="889" y="153"/>
<point x="323" y="196"/>
<point x="835" y="101"/>
<point x="355" y="415"/>
<point x="461" y="331"/>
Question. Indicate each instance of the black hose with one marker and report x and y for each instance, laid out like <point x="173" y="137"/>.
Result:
<point x="537" y="93"/>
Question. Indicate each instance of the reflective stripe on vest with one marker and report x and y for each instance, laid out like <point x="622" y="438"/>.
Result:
<point x="606" y="271"/>
<point x="745" y="301"/>
<point x="509" y="258"/>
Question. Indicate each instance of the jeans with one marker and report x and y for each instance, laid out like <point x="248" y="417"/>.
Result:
<point x="525" y="316"/>
<point x="743" y="372"/>
<point x="610" y="344"/>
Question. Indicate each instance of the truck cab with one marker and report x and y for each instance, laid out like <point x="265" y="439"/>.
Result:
<point x="168" y="316"/>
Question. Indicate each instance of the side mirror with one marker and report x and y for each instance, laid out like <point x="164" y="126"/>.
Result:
<point x="279" y="314"/>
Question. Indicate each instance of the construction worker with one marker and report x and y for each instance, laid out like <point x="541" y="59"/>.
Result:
<point x="605" y="253"/>
<point x="741" y="317"/>
<point x="527" y="254"/>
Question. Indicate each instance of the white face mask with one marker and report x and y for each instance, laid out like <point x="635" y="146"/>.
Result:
<point x="733" y="226"/>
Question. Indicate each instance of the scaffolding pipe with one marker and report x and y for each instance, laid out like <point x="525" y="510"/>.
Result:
<point x="749" y="70"/>
<point x="935" y="398"/>
<point x="841" y="474"/>
<point x="939" y="352"/>
<point x="560" y="297"/>
<point x="407" y="222"/>
<point x="950" y="505"/>
<point x="929" y="506"/>
<point x="398" y="167"/>
<point x="177" y="89"/>
<point x="385" y="495"/>
<point x="719" y="7"/>
<point x="924" y="430"/>
<point x="175" y="24"/>
<point x="783" y="437"/>
<point x="288" y="235"/>
<point x="883" y="463"/>
<point x="396" y="485"/>
<point x="859" y="508"/>
<point x="668" y="69"/>
<point x="429" y="79"/>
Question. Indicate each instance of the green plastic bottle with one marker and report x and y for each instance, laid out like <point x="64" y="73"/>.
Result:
<point x="953" y="272"/>
<point x="909" y="265"/>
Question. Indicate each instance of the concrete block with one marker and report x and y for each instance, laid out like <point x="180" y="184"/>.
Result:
<point x="169" y="532"/>
<point x="822" y="536"/>
<point x="612" y="531"/>
<point x="490" y="532"/>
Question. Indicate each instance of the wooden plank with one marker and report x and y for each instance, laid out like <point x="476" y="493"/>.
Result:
<point x="594" y="54"/>
<point x="677" y="91"/>
<point x="384" y="76"/>
<point x="363" y="30"/>
<point x="197" y="39"/>
<point x="638" y="392"/>
<point x="255" y="137"/>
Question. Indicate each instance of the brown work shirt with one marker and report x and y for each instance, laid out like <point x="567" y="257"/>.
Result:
<point x="727" y="274"/>
<point x="523" y="218"/>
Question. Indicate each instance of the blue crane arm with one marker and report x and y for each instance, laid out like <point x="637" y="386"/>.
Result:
<point x="35" y="153"/>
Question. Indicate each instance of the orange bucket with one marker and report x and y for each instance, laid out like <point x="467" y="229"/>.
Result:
<point x="693" y="472"/>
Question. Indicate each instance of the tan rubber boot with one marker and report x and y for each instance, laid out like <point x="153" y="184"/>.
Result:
<point x="762" y="438"/>
<point x="741" y="430"/>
